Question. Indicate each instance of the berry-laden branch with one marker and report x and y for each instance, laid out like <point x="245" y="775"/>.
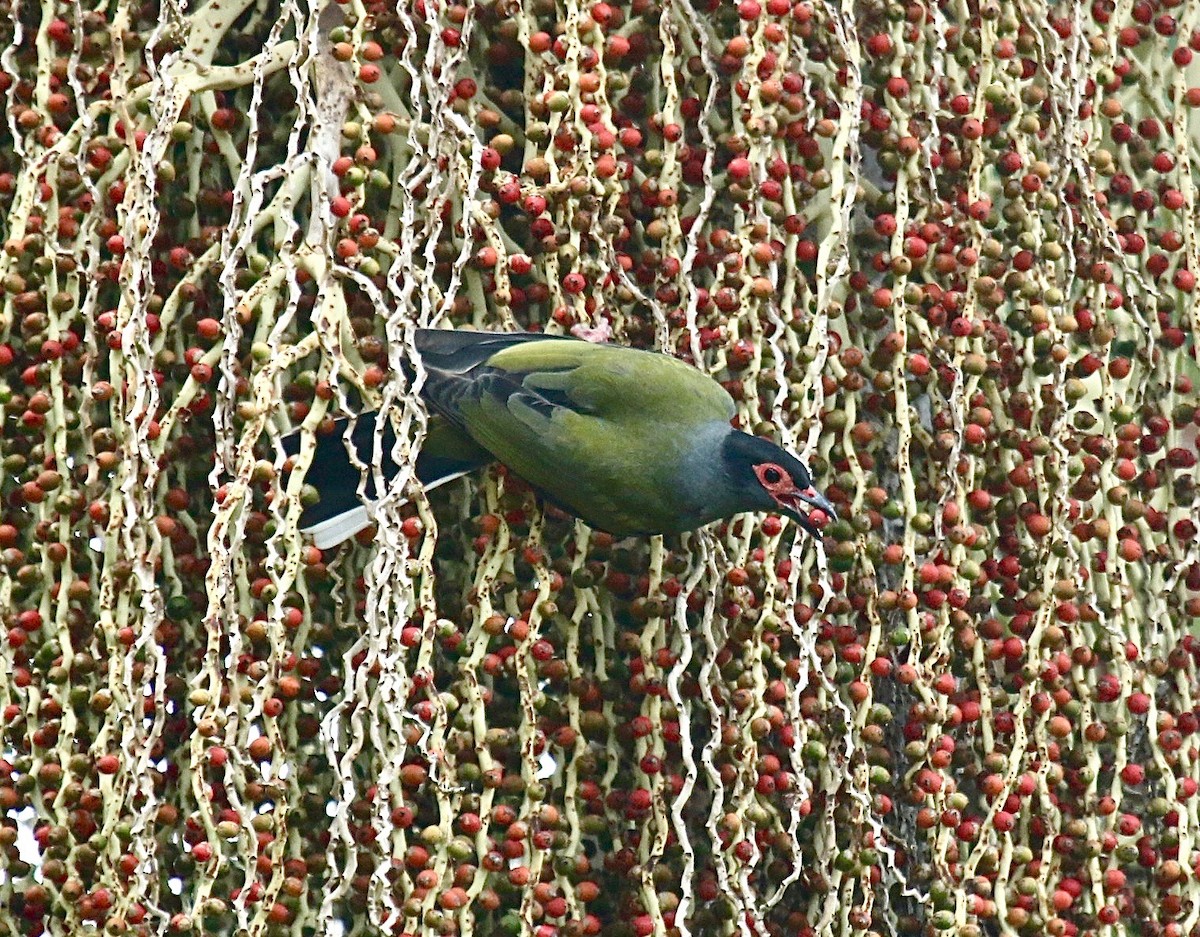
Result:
<point x="945" y="252"/>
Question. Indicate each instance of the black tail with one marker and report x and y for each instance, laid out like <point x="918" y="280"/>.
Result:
<point x="448" y="451"/>
<point x="339" y="514"/>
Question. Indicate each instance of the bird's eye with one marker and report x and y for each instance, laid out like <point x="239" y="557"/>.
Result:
<point x="772" y="475"/>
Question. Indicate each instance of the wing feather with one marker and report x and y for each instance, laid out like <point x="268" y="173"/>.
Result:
<point x="581" y="421"/>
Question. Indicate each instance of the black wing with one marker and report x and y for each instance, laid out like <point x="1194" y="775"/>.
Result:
<point x="457" y="368"/>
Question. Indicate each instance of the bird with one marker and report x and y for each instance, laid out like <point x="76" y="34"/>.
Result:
<point x="631" y="441"/>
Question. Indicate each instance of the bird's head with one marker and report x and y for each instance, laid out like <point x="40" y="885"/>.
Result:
<point x="771" y="479"/>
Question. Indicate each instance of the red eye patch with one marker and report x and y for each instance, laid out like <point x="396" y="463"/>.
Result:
<point x="774" y="479"/>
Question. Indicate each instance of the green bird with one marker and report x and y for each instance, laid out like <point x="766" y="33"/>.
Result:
<point x="631" y="441"/>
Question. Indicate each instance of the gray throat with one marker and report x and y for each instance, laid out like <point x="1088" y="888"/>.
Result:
<point x="705" y="490"/>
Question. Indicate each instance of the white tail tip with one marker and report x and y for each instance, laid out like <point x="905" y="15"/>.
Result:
<point x="331" y="532"/>
<point x="334" y="530"/>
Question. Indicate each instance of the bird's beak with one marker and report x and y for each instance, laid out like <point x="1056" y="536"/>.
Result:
<point x="811" y="497"/>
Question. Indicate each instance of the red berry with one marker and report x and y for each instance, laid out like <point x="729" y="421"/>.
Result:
<point x="880" y="44"/>
<point x="739" y="169"/>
